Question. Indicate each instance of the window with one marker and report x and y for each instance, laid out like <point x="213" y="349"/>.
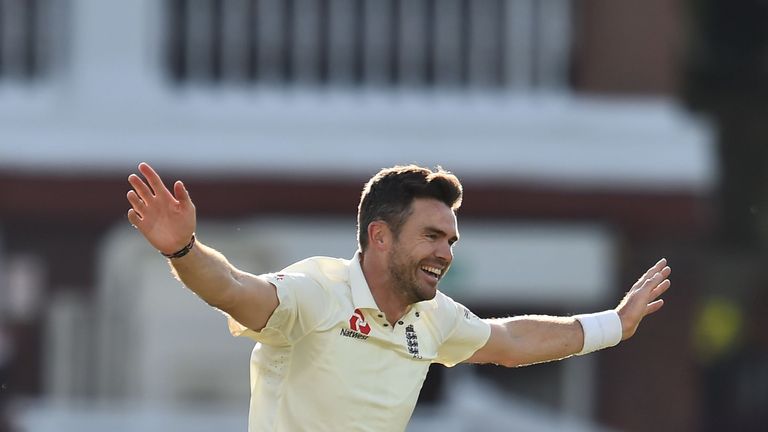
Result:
<point x="26" y="28"/>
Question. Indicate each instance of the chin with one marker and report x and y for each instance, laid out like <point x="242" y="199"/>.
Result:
<point x="428" y="294"/>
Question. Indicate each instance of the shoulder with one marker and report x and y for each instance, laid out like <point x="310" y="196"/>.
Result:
<point x="445" y="312"/>
<point x="320" y="269"/>
<point x="308" y="287"/>
<point x="447" y="306"/>
<point x="311" y="273"/>
<point x="462" y="332"/>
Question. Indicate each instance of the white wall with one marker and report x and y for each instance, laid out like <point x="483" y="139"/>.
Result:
<point x="107" y="106"/>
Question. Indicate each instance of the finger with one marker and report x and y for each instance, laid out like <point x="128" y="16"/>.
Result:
<point x="660" y="289"/>
<point x="136" y="202"/>
<point x="141" y="188"/>
<point x="154" y="180"/>
<point x="666" y="271"/>
<point x="657" y="278"/>
<point x="182" y="194"/>
<point x="134" y="218"/>
<point x="651" y="282"/>
<point x="653" y="307"/>
<point x="649" y="273"/>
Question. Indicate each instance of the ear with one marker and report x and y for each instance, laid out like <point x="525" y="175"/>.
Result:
<point x="379" y="235"/>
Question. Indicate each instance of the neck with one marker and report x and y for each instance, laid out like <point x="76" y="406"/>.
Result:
<point x="384" y="292"/>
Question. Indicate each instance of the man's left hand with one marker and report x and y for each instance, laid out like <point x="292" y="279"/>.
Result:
<point x="643" y="299"/>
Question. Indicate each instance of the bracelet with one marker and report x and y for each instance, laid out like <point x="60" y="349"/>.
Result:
<point x="181" y="252"/>
<point x="601" y="330"/>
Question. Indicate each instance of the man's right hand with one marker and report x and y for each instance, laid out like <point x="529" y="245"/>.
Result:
<point x="167" y="220"/>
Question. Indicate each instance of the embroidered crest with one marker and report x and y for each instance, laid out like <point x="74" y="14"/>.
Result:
<point x="412" y="341"/>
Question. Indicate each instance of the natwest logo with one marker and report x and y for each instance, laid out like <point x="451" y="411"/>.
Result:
<point x="357" y="323"/>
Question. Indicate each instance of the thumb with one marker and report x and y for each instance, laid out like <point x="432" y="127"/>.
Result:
<point x="182" y="195"/>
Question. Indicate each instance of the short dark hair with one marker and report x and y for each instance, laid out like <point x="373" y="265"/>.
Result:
<point x="389" y="194"/>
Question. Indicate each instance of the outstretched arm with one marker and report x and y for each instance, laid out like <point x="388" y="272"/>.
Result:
<point x="168" y="221"/>
<point x="532" y="339"/>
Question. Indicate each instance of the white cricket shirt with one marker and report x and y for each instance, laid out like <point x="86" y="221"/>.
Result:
<point x="328" y="360"/>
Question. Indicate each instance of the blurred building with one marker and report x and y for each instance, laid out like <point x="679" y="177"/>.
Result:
<point x="561" y="117"/>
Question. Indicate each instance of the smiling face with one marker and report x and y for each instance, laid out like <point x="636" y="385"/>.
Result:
<point x="422" y="251"/>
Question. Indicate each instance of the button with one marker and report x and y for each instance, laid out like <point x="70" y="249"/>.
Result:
<point x="381" y="316"/>
<point x="417" y="314"/>
<point x="400" y="322"/>
<point x="386" y="325"/>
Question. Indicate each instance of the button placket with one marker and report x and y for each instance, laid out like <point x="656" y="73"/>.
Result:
<point x="381" y="317"/>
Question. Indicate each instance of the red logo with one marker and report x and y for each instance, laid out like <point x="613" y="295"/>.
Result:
<point x="357" y="323"/>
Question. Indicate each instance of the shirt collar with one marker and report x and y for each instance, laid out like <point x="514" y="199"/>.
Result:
<point x="361" y="292"/>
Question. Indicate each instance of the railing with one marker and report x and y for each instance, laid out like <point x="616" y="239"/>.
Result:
<point x="523" y="44"/>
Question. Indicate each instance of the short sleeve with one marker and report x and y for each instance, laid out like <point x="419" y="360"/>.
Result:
<point x="303" y="304"/>
<point x="468" y="334"/>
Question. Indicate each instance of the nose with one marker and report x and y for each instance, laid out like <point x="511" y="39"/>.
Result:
<point x="445" y="252"/>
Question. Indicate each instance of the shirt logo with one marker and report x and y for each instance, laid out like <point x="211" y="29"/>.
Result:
<point x="358" y="324"/>
<point x="412" y="341"/>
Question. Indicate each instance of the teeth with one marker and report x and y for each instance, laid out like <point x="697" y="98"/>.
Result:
<point x="434" y="270"/>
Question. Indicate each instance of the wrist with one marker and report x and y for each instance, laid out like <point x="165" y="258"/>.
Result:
<point x="601" y="330"/>
<point x="181" y="252"/>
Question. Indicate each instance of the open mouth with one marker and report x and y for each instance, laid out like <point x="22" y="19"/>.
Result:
<point x="433" y="272"/>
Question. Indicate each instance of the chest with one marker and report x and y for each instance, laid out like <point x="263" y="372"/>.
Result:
<point x="357" y="350"/>
<point x="366" y="332"/>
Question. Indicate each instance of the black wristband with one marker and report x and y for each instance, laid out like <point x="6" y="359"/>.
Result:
<point x="181" y="252"/>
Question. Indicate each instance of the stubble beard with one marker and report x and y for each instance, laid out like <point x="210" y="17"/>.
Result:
<point x="402" y="272"/>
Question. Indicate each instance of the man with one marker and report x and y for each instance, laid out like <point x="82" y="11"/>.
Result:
<point x="346" y="344"/>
